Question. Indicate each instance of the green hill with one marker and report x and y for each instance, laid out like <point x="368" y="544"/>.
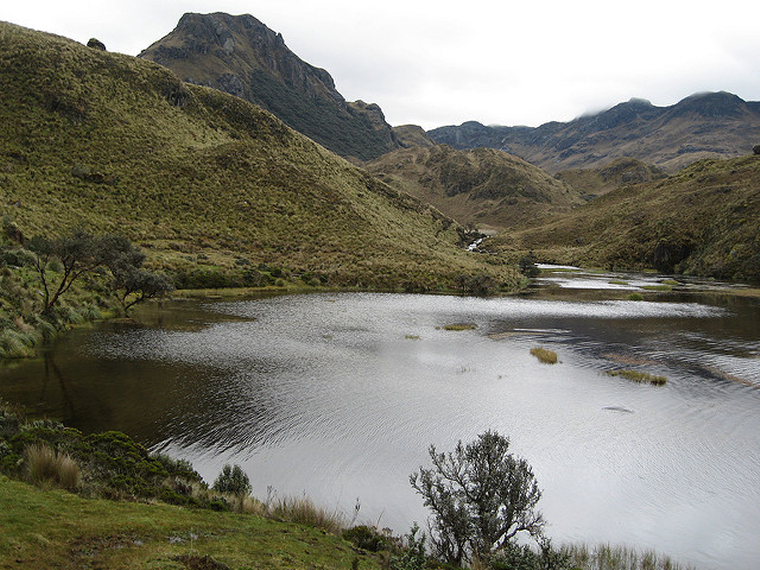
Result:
<point x="484" y="187"/>
<point x="621" y="172"/>
<point x="207" y="183"/>
<point x="702" y="221"/>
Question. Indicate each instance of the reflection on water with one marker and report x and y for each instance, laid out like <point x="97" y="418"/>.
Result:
<point x="328" y="394"/>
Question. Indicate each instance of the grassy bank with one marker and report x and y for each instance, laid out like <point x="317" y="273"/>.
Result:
<point x="56" y="529"/>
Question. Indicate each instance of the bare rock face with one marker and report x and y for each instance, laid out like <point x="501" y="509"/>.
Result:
<point x="95" y="43"/>
<point x="242" y="56"/>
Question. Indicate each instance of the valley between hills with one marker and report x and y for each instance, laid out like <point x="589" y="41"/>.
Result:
<point x="234" y="167"/>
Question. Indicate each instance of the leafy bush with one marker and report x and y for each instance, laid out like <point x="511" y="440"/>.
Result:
<point x="368" y="538"/>
<point x="232" y="480"/>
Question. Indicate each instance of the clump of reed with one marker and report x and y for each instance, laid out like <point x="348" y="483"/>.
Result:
<point x="460" y="327"/>
<point x="303" y="510"/>
<point x="47" y="467"/>
<point x="606" y="557"/>
<point x="545" y="355"/>
<point x="641" y="377"/>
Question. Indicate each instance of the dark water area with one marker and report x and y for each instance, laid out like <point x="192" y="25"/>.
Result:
<point x="339" y="396"/>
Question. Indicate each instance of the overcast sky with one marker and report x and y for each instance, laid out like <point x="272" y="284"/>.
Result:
<point x="438" y="62"/>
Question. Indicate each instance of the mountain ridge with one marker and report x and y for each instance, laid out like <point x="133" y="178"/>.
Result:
<point x="703" y="125"/>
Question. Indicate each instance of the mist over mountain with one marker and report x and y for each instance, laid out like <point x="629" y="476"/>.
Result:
<point x="704" y="125"/>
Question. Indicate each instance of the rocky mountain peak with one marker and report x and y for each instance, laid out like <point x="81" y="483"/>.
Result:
<point x="242" y="56"/>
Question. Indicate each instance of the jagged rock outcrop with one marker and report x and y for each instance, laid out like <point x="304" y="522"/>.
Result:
<point x="242" y="56"/>
<point x="705" y="125"/>
<point x="95" y="43"/>
<point x="412" y="135"/>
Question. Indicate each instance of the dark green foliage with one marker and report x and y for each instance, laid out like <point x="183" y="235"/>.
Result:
<point x="480" y="496"/>
<point x="368" y="538"/>
<point x="232" y="480"/>
<point x="481" y="285"/>
<point x="522" y="557"/>
<point x="528" y="267"/>
<point x="413" y="555"/>
<point x="113" y="464"/>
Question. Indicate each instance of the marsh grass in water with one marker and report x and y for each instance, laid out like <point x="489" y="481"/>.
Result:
<point x="618" y="282"/>
<point x="606" y="557"/>
<point x="660" y="287"/>
<point x="545" y="355"/>
<point x="641" y="377"/>
<point x="460" y="327"/>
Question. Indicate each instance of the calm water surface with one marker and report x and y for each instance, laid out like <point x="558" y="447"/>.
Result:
<point x="335" y="396"/>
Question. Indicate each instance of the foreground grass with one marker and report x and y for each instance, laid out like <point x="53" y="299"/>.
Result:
<point x="56" y="529"/>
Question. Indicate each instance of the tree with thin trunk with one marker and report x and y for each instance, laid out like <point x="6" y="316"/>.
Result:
<point x="78" y="254"/>
<point x="481" y="497"/>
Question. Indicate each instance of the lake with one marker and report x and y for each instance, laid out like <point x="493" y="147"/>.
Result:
<point x="339" y="396"/>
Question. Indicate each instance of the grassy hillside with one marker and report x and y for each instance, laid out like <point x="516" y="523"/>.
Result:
<point x="484" y="187"/>
<point x="705" y="220"/>
<point x="593" y="182"/>
<point x="56" y="529"/>
<point x="210" y="185"/>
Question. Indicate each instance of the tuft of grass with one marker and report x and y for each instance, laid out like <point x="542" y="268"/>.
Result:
<point x="641" y="377"/>
<point x="672" y="282"/>
<point x="412" y="337"/>
<point x="48" y="467"/>
<point x="618" y="282"/>
<point x="303" y="510"/>
<point x="460" y="327"/>
<point x="657" y="287"/>
<point x="635" y="297"/>
<point x="545" y="355"/>
<point x="606" y="557"/>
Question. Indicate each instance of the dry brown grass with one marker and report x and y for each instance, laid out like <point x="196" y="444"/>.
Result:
<point x="48" y="467"/>
<point x="302" y="510"/>
<point x="545" y="355"/>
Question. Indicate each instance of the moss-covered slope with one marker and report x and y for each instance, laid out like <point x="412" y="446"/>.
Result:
<point x="203" y="180"/>
<point x="705" y="221"/>
<point x="484" y="187"/>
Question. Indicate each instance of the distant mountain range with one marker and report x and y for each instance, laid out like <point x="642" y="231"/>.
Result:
<point x="242" y="56"/>
<point x="705" y="125"/>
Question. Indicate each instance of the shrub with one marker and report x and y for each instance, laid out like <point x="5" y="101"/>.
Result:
<point x="45" y="466"/>
<point x="481" y="497"/>
<point x="368" y="538"/>
<point x="232" y="480"/>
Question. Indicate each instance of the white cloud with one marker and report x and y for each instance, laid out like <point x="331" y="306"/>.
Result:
<point x="442" y="62"/>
